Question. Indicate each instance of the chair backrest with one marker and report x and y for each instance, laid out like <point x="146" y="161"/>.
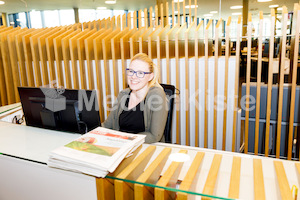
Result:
<point x="170" y="91"/>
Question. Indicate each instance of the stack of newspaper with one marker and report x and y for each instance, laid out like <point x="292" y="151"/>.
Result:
<point x="97" y="152"/>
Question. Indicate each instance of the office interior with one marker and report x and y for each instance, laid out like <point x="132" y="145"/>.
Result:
<point x="222" y="57"/>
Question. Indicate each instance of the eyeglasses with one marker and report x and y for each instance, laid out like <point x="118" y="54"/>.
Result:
<point x="139" y="74"/>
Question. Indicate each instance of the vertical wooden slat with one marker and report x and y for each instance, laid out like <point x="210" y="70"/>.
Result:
<point x="281" y="81"/>
<point x="151" y="175"/>
<point x="183" y="11"/>
<point x="227" y="54"/>
<point x="190" y="180"/>
<point x="162" y="15"/>
<point x="234" y="187"/>
<point x="199" y="50"/>
<point x="190" y="12"/>
<point x="248" y="81"/>
<point x="173" y="14"/>
<point x="146" y="18"/>
<point x="150" y="16"/>
<point x="129" y="20"/>
<point x="168" y="179"/>
<point x="196" y="5"/>
<point x="295" y="44"/>
<point x="212" y="176"/>
<point x="207" y="54"/>
<point x="167" y="14"/>
<point x="135" y="19"/>
<point x="259" y="187"/>
<point x="179" y="48"/>
<point x="259" y="63"/>
<point x="283" y="183"/>
<point x="189" y="34"/>
<point x="178" y="13"/>
<point x="161" y="48"/>
<point x="123" y="21"/>
<point x="152" y="52"/>
<point x="118" y="22"/>
<point x="236" y="85"/>
<point x="270" y="82"/>
<point x="105" y="189"/>
<point x="134" y="47"/>
<point x="140" y="18"/>
<point x="143" y="43"/>
<point x="156" y="15"/>
<point x="216" y="55"/>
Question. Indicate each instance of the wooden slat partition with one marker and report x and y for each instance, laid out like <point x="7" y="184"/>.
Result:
<point x="270" y="82"/>
<point x="106" y="46"/>
<point x="51" y="58"/>
<point x="168" y="179"/>
<point x="281" y="79"/>
<point x="259" y="63"/>
<point x="151" y="175"/>
<point x="41" y="77"/>
<point x="152" y="51"/>
<point x="143" y="40"/>
<point x="116" y="55"/>
<point x="75" y="57"/>
<point x="67" y="57"/>
<point x="134" y="46"/>
<point x="8" y="72"/>
<point x="161" y="49"/>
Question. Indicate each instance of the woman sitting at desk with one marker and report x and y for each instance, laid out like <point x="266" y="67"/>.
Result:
<point x="141" y="108"/>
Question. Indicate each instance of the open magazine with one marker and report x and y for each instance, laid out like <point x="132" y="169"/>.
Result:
<point x="97" y="152"/>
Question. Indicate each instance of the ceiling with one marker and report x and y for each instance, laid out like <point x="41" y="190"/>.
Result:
<point x="204" y="6"/>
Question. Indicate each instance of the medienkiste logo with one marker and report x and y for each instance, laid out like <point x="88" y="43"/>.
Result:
<point x="54" y="100"/>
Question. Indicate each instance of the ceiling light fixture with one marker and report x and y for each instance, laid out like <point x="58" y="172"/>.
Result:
<point x="2" y="2"/>
<point x="264" y="0"/>
<point x="208" y="15"/>
<point x="192" y="6"/>
<point x="101" y="8"/>
<point x="176" y="1"/>
<point x="236" y="7"/>
<point x="273" y="6"/>
<point x="213" y="12"/>
<point x="237" y="13"/>
<point x="111" y="2"/>
<point x="279" y="8"/>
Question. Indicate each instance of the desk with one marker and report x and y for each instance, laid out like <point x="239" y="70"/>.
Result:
<point x="25" y="152"/>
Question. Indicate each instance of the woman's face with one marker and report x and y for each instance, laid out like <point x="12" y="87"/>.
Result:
<point x="135" y="83"/>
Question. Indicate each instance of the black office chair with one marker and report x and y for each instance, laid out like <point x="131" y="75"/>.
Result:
<point x="170" y="91"/>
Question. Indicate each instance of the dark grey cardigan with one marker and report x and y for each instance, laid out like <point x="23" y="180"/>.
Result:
<point x="155" y="113"/>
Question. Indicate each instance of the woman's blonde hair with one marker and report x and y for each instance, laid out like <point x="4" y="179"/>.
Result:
<point x="152" y="67"/>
